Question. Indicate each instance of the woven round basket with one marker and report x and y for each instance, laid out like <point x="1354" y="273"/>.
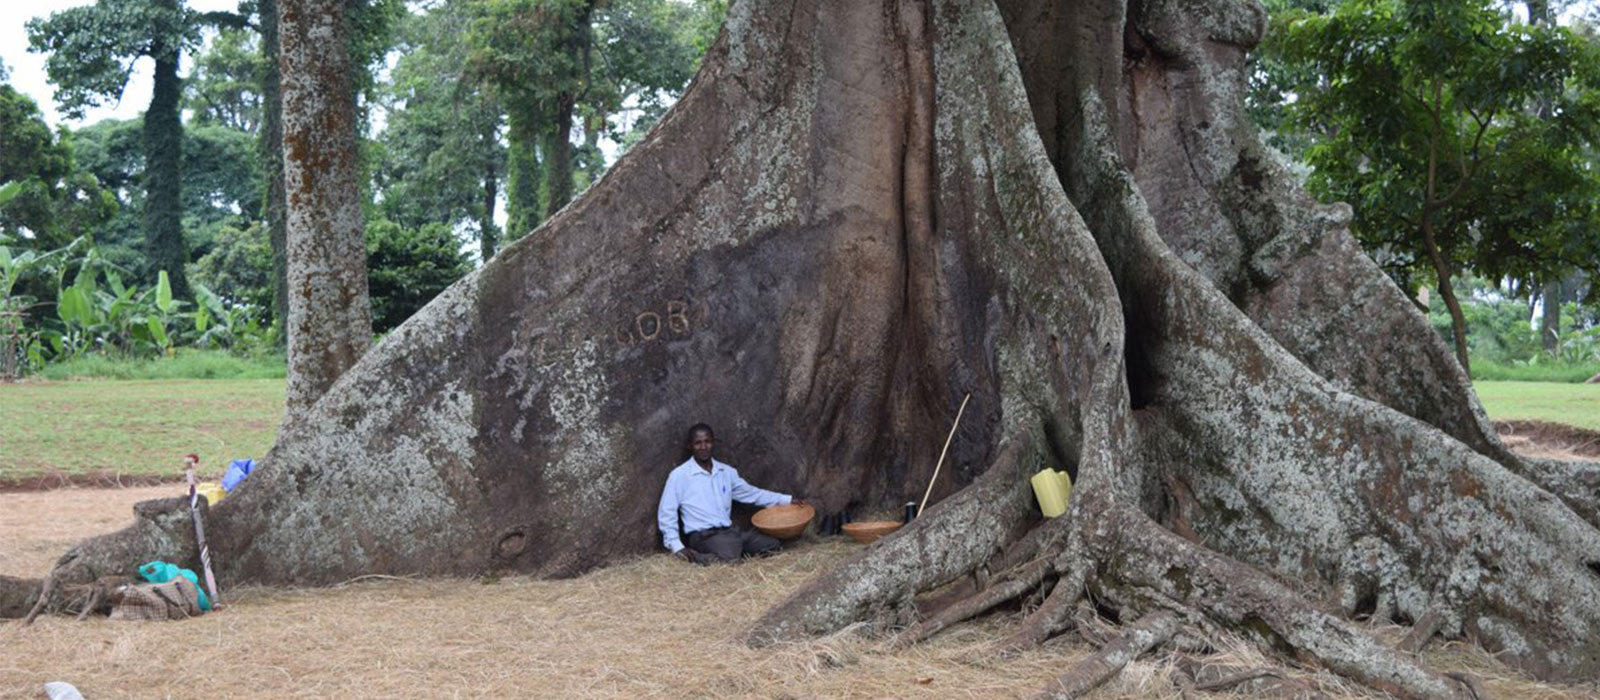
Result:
<point x="867" y="532"/>
<point x="784" y="522"/>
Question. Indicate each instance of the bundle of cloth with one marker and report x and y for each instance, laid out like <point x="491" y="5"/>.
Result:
<point x="170" y="593"/>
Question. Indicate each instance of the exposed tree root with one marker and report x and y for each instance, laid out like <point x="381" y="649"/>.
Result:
<point x="1472" y="683"/>
<point x="1230" y="681"/>
<point x="1014" y="584"/>
<point x="97" y="595"/>
<point x="890" y="572"/>
<point x="1053" y="616"/>
<point x="17" y="596"/>
<point x="46" y="591"/>
<point x="1421" y="633"/>
<point x="1158" y="566"/>
<point x="1103" y="665"/>
<point x="1185" y="683"/>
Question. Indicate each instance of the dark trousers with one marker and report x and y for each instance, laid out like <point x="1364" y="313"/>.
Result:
<point x="728" y="544"/>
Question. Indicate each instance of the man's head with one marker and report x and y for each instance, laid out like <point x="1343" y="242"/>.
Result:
<point x="701" y="440"/>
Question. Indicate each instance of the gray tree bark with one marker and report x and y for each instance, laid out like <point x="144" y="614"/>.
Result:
<point x="860" y="212"/>
<point x="330" y="319"/>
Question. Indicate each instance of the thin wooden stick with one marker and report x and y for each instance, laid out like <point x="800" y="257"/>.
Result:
<point x="942" y="453"/>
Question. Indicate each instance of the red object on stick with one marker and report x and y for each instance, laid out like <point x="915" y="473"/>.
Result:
<point x="189" y="462"/>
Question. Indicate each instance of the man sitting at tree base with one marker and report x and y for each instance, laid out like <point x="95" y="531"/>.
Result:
<point x="700" y="493"/>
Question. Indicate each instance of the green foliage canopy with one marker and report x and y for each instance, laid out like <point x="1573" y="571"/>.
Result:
<point x="54" y="201"/>
<point x="407" y="268"/>
<point x="91" y="49"/>
<point x="1423" y="114"/>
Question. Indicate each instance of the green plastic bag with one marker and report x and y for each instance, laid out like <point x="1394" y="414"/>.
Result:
<point x="161" y="572"/>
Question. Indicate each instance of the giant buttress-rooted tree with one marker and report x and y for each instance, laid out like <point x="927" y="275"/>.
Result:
<point x="862" y="211"/>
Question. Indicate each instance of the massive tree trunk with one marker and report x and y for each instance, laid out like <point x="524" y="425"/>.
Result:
<point x="163" y="172"/>
<point x="330" y="319"/>
<point x="862" y="211"/>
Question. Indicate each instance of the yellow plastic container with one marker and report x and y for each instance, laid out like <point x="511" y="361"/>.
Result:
<point x="211" y="491"/>
<point x="1052" y="488"/>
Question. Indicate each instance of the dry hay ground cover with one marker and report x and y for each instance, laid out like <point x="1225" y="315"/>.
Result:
<point x="652" y="628"/>
<point x="131" y="431"/>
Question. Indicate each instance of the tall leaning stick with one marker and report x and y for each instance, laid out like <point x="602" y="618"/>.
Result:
<point x="943" y="452"/>
<point x="189" y="462"/>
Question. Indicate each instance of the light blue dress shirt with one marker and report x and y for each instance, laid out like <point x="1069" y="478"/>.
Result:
<point x="705" y="499"/>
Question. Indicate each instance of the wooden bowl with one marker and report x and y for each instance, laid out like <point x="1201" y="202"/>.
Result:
<point x="784" y="522"/>
<point x="869" y="531"/>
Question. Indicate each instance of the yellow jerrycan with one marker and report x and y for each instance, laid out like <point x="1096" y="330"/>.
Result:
<point x="1052" y="488"/>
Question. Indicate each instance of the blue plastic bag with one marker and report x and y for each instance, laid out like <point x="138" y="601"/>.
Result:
<point x="237" y="470"/>
<point x="161" y="572"/>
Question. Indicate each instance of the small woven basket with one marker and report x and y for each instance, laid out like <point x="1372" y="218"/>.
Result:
<point x="869" y="531"/>
<point x="784" y="522"/>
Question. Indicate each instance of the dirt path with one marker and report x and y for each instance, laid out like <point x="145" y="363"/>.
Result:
<point x="1534" y="438"/>
<point x="39" y="526"/>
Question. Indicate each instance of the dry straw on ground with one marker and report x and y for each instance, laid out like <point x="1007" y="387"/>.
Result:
<point x="653" y="628"/>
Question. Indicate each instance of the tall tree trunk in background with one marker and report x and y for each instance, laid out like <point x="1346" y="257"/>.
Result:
<point x="274" y="204"/>
<point x="1552" y="292"/>
<point x="330" y="317"/>
<point x="163" y="174"/>
<point x="558" y="144"/>
<point x="1458" y="318"/>
<point x="558" y="150"/>
<point x="523" y="174"/>
<point x="1553" y="295"/>
<point x="487" y="232"/>
<point x="857" y="214"/>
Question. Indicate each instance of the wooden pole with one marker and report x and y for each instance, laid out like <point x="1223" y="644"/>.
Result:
<point x="189" y="463"/>
<point x="942" y="453"/>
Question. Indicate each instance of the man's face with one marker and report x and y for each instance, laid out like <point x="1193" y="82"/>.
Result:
<point x="700" y="445"/>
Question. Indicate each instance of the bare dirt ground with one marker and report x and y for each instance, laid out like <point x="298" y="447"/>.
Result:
<point x="653" y="628"/>
<point x="1535" y="438"/>
<point x="39" y="526"/>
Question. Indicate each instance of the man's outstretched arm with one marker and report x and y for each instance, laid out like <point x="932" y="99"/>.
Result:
<point x="744" y="492"/>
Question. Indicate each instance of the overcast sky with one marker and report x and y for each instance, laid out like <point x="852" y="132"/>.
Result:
<point x="27" y="69"/>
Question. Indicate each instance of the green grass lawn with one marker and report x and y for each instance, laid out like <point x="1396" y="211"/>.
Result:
<point x="134" y="428"/>
<point x="1573" y="404"/>
<point x="143" y="428"/>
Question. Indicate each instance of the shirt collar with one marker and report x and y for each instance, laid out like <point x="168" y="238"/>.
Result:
<point x="694" y="466"/>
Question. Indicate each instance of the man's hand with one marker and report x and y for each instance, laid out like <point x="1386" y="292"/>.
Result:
<point x="798" y="501"/>
<point x="686" y="554"/>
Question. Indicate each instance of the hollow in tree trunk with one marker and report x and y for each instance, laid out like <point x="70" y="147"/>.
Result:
<point x="860" y="212"/>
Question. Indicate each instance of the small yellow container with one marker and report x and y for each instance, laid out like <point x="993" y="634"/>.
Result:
<point x="211" y="491"/>
<point x="1052" y="488"/>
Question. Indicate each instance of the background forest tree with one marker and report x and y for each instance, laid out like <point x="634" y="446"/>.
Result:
<point x="435" y="140"/>
<point x="480" y="118"/>
<point x="1463" y="135"/>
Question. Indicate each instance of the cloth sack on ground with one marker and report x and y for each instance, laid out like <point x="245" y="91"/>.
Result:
<point x="173" y="600"/>
<point x="161" y="572"/>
